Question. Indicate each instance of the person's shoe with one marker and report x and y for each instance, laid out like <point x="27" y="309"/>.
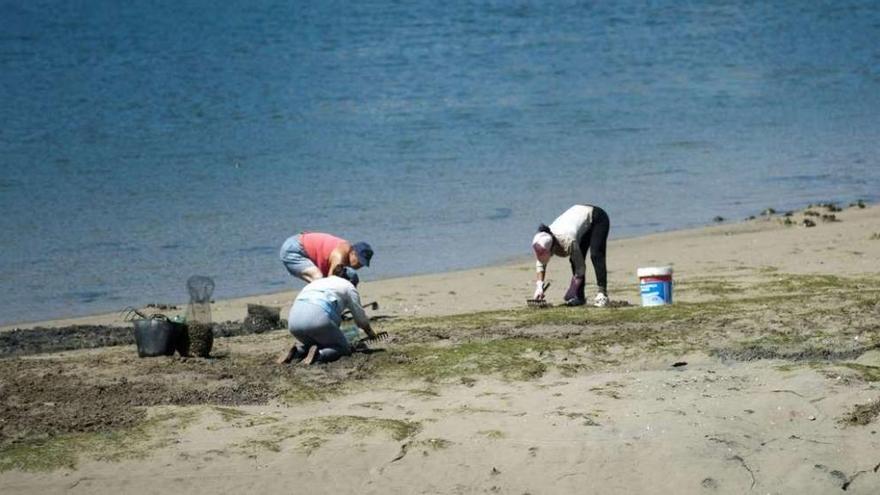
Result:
<point x="601" y="300"/>
<point x="575" y="302"/>
<point x="310" y="356"/>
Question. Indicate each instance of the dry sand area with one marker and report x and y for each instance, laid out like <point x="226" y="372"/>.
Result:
<point x="761" y="378"/>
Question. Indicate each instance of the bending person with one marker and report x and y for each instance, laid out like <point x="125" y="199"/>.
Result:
<point x="579" y="229"/>
<point x="313" y="255"/>
<point x="315" y="317"/>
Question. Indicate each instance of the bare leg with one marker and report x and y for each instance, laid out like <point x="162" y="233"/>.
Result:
<point x="294" y="353"/>
<point x="310" y="356"/>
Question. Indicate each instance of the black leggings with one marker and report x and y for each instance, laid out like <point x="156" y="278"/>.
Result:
<point x="594" y="239"/>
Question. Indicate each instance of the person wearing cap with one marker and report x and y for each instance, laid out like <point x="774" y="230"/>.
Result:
<point x="313" y="255"/>
<point x="315" y="317"/>
<point x="576" y="231"/>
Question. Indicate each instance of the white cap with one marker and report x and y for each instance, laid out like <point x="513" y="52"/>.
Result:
<point x="542" y="242"/>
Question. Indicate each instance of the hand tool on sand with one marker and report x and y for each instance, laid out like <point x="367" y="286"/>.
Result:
<point x="360" y="345"/>
<point x="539" y="303"/>
<point x="380" y="337"/>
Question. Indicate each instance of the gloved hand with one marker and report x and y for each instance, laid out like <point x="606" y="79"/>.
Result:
<point x="539" y="290"/>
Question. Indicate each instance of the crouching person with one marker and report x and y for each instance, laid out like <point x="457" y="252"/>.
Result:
<point x="315" y="317"/>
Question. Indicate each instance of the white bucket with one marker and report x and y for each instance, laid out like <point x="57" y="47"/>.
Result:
<point x="655" y="285"/>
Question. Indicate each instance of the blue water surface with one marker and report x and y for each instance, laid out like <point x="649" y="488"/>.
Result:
<point x="143" y="142"/>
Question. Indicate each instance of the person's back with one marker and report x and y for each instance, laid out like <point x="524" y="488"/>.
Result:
<point x="318" y="247"/>
<point x="333" y="293"/>
<point x="568" y="226"/>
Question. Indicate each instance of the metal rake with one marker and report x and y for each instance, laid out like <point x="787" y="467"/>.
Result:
<point x="380" y="337"/>
<point x="540" y="303"/>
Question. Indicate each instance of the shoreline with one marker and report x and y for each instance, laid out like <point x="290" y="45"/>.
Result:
<point x="507" y="284"/>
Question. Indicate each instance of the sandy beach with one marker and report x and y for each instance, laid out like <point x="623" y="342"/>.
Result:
<point x="760" y="378"/>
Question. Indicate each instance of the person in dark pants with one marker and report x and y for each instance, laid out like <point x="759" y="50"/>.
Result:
<point x="579" y="230"/>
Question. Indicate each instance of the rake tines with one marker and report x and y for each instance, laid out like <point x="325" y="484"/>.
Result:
<point x="380" y="337"/>
<point x="538" y="303"/>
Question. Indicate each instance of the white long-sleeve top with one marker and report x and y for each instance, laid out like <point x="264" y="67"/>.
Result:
<point x="335" y="294"/>
<point x="567" y="229"/>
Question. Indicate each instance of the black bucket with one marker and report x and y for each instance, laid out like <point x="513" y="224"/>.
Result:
<point x="155" y="337"/>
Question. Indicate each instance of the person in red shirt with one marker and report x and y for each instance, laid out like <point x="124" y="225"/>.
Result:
<point x="310" y="256"/>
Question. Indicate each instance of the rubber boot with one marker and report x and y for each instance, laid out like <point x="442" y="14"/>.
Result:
<point x="574" y="296"/>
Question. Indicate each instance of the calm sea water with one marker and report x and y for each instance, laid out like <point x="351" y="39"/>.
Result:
<point x="143" y="142"/>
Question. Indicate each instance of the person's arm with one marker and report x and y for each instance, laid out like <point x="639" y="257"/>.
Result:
<point x="357" y="312"/>
<point x="540" y="269"/>
<point x="339" y="259"/>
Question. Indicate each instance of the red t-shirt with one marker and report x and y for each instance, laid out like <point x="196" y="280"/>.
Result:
<point x="318" y="247"/>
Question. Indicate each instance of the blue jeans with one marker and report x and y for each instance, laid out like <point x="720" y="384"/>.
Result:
<point x="294" y="257"/>
<point x="312" y="325"/>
